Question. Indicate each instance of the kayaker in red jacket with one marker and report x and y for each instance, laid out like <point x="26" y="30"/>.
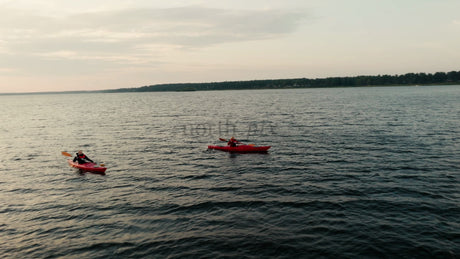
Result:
<point x="82" y="158"/>
<point x="232" y="142"/>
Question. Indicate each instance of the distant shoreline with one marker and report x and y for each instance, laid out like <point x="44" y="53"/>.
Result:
<point x="409" y="79"/>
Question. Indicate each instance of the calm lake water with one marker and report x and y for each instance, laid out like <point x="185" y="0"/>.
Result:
<point x="357" y="172"/>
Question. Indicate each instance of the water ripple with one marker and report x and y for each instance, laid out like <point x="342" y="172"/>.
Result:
<point x="362" y="172"/>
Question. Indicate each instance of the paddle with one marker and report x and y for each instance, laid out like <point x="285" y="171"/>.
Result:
<point x="66" y="154"/>
<point x="69" y="155"/>
<point x="222" y="139"/>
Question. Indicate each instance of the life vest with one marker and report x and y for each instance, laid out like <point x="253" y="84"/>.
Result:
<point x="232" y="142"/>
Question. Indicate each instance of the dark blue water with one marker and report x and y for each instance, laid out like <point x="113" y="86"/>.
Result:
<point x="359" y="172"/>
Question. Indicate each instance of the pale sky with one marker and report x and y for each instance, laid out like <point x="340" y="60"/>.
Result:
<point x="63" y="45"/>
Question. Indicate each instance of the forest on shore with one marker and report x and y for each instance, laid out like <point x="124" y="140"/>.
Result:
<point x="440" y="78"/>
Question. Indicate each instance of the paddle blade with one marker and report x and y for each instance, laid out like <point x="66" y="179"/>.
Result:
<point x="222" y="139"/>
<point x="66" y="154"/>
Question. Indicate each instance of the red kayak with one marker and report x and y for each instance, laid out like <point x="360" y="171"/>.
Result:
<point x="241" y="148"/>
<point x="88" y="167"/>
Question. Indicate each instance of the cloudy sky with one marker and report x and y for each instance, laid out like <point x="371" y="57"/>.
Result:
<point x="60" y="45"/>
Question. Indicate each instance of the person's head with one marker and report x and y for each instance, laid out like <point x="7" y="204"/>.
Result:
<point x="80" y="152"/>
<point x="233" y="138"/>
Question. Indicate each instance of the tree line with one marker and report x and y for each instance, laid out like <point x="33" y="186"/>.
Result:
<point x="452" y="77"/>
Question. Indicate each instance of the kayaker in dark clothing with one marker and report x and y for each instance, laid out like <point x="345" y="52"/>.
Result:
<point x="232" y="142"/>
<point x="82" y="158"/>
